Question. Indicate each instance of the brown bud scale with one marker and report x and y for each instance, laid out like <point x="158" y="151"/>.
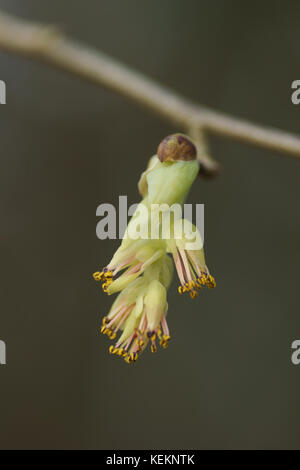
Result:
<point x="176" y="147"/>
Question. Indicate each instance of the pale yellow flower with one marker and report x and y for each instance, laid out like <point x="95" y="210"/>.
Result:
<point x="140" y="312"/>
<point x="186" y="246"/>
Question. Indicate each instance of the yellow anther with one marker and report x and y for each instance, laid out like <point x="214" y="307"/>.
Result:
<point x="106" y="331"/>
<point x="211" y="283"/>
<point x="98" y="276"/>
<point x="108" y="274"/>
<point x="112" y="335"/>
<point x="202" y="281"/>
<point x="153" y="348"/>
<point x="111" y="349"/>
<point x="165" y="341"/>
<point x="104" y="321"/>
<point x="133" y="356"/>
<point x="130" y="358"/>
<point x="193" y="294"/>
<point x="180" y="290"/>
<point x="105" y="285"/>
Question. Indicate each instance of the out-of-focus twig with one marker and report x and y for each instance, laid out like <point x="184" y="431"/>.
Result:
<point x="46" y="43"/>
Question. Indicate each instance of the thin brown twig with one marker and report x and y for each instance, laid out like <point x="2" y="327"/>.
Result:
<point x="49" y="45"/>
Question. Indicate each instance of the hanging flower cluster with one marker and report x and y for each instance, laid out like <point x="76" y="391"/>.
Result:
<point x="141" y="270"/>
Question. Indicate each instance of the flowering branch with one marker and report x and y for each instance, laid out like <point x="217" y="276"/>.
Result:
<point x="49" y="45"/>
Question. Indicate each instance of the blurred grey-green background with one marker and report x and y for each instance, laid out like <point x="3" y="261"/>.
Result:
<point x="226" y="381"/>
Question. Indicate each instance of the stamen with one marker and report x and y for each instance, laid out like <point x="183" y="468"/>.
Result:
<point x="98" y="276"/>
<point x="114" y="312"/>
<point x="179" y="267"/>
<point x="165" y="326"/>
<point x="186" y="265"/>
<point x="191" y="276"/>
<point x="123" y="318"/>
<point x="127" y="342"/>
<point x="117" y="316"/>
<point x="210" y="282"/>
<point x="153" y="343"/>
<point x="132" y="357"/>
<point x="165" y="341"/>
<point x="108" y="274"/>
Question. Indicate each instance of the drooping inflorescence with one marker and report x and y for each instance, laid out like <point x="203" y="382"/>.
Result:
<point x="141" y="269"/>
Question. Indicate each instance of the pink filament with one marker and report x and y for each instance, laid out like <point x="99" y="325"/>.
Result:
<point x="165" y="326"/>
